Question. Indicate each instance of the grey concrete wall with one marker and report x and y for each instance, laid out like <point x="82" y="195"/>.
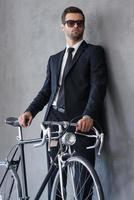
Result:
<point x="29" y="34"/>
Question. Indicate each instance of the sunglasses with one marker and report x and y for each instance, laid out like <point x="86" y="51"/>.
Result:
<point x="71" y="23"/>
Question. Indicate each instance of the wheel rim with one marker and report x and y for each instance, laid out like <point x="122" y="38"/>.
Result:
<point x="80" y="183"/>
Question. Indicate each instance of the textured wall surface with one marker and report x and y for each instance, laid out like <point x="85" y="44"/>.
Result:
<point x="29" y="33"/>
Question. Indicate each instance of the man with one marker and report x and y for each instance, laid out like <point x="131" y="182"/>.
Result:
<point x="75" y="84"/>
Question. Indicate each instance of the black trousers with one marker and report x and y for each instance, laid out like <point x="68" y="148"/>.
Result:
<point x="79" y="146"/>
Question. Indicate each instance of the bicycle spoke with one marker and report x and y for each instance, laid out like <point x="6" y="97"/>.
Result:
<point x="8" y="187"/>
<point x="81" y="181"/>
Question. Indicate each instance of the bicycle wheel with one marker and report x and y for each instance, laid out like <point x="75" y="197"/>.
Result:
<point x="80" y="182"/>
<point x="10" y="186"/>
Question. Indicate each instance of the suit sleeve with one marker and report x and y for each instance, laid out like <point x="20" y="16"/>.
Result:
<point x="43" y="96"/>
<point x="98" y="81"/>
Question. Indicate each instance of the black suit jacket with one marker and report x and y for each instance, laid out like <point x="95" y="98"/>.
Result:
<point x="85" y="83"/>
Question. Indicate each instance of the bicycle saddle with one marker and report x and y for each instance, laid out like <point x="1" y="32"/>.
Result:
<point x="13" y="121"/>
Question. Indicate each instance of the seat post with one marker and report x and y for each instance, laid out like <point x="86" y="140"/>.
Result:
<point x="23" y="165"/>
<point x="20" y="133"/>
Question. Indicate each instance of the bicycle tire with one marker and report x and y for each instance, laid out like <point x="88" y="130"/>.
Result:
<point x="10" y="185"/>
<point x="69" y="193"/>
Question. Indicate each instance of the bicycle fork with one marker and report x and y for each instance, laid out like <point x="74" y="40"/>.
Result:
<point x="71" y="171"/>
<point x="61" y="176"/>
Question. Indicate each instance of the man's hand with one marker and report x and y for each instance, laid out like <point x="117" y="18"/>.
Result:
<point x="25" y="119"/>
<point x="84" y="124"/>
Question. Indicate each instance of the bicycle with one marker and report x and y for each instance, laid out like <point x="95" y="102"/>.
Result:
<point x="12" y="186"/>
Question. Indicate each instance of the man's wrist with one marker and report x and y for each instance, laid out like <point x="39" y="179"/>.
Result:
<point x="87" y="117"/>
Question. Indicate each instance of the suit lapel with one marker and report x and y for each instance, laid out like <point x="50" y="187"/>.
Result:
<point x="59" y="64"/>
<point x="77" y="55"/>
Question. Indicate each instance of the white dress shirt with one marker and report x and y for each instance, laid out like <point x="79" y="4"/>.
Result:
<point x="76" y="46"/>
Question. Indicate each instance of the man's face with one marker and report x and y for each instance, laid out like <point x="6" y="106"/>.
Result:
<point x="73" y="27"/>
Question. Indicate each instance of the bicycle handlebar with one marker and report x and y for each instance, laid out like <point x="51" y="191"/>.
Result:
<point x="63" y="124"/>
<point x="47" y="133"/>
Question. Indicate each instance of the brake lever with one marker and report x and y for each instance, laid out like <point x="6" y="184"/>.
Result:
<point x="101" y="143"/>
<point x="44" y="138"/>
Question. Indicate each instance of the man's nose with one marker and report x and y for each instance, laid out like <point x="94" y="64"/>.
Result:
<point x="76" y="25"/>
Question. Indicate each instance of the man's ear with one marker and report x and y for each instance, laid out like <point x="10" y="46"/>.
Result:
<point x="62" y="27"/>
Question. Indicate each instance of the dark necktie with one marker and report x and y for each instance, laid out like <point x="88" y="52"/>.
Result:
<point x="61" y="97"/>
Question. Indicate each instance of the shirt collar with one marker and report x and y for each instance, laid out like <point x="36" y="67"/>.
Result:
<point x="76" y="46"/>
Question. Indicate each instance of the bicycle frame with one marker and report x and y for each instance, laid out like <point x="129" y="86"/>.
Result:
<point x="55" y="165"/>
<point x="20" y="147"/>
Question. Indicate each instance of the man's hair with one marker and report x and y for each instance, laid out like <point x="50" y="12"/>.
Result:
<point x="71" y="9"/>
